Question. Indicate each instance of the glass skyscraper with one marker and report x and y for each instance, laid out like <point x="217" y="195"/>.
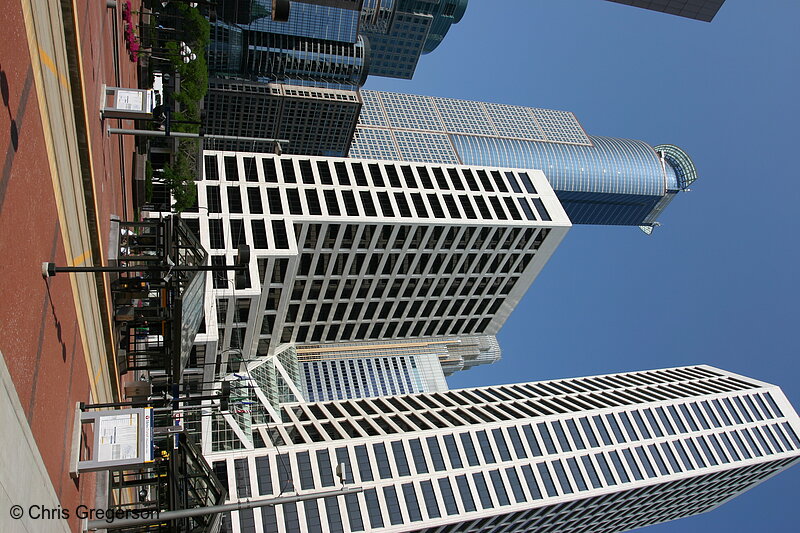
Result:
<point x="399" y="31"/>
<point x="595" y="454"/>
<point x="599" y="180"/>
<point x="319" y="45"/>
<point x="343" y="370"/>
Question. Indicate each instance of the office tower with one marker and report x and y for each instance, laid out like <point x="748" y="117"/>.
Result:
<point x="704" y="10"/>
<point x="599" y="180"/>
<point x="315" y="120"/>
<point x="341" y="371"/>
<point x="469" y="352"/>
<point x="335" y="371"/>
<point x="324" y="45"/>
<point x="318" y="46"/>
<point x="345" y="250"/>
<point x="399" y="31"/>
<point x="605" y="453"/>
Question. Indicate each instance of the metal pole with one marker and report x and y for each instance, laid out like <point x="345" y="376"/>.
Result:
<point x="154" y="133"/>
<point x="213" y="509"/>
<point x="49" y="269"/>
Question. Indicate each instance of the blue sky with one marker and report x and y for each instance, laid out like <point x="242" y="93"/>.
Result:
<point x="718" y="282"/>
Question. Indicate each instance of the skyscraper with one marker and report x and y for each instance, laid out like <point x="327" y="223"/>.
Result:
<point x="346" y="370"/>
<point x="314" y="120"/>
<point x="599" y="180"/>
<point x="296" y="80"/>
<point x="318" y="46"/>
<point x="400" y="31"/>
<point x="256" y="64"/>
<point x="342" y="371"/>
<point x="704" y="10"/>
<point x="334" y="371"/>
<point x="346" y="250"/>
<point x="604" y="453"/>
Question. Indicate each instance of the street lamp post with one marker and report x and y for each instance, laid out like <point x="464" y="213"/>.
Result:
<point x="214" y="509"/>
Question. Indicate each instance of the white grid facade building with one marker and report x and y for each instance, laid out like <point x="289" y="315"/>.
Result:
<point x="600" y="454"/>
<point x="345" y="250"/>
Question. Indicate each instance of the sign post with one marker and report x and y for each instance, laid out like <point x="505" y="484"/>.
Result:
<point x="122" y="438"/>
<point x="122" y="102"/>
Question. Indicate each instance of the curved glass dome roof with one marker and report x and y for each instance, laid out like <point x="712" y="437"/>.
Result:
<point x="680" y="162"/>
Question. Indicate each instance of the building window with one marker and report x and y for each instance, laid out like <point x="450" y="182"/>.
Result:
<point x="287" y="165"/>
<point x="430" y="499"/>
<point x="231" y="169"/>
<point x="412" y="504"/>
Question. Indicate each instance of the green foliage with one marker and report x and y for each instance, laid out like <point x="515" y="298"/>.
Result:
<point x="180" y="175"/>
<point x="194" y="74"/>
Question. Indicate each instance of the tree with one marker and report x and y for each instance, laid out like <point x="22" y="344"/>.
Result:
<point x="179" y="176"/>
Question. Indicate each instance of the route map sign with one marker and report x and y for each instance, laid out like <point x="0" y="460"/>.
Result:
<point x="122" y="438"/>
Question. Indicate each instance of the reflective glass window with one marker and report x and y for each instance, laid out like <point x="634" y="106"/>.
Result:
<point x="575" y="434"/>
<point x="530" y="481"/>
<point x="516" y="442"/>
<point x="500" y="442"/>
<point x="412" y="504"/>
<point x="373" y="508"/>
<point x="448" y="497"/>
<point x="325" y="468"/>
<point x="682" y="455"/>
<point x="634" y="468"/>
<point x="364" y="463"/>
<point x="662" y="467"/>
<point x="392" y="505"/>
<point x="604" y="469"/>
<point x="546" y="438"/>
<point x="400" y="458"/>
<point x="452" y="451"/>
<point x="263" y="477"/>
<point x="466" y="494"/>
<point x="516" y="485"/>
<point x="591" y="471"/>
<point x="382" y="460"/>
<point x="648" y="466"/>
<point x="532" y="442"/>
<point x="313" y="521"/>
<point x="601" y="428"/>
<point x="561" y="475"/>
<point x="547" y="479"/>
<point x="430" y="499"/>
<point x="616" y="460"/>
<point x="418" y="456"/>
<point x="334" y="516"/>
<point x="486" y="449"/>
<point x="483" y="490"/>
<point x="499" y="487"/>
<point x="435" y="453"/>
<point x="662" y="415"/>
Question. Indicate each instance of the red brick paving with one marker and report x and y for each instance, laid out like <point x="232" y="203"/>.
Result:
<point x="39" y="336"/>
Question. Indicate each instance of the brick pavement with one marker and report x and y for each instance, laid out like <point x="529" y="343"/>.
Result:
<point x="52" y="337"/>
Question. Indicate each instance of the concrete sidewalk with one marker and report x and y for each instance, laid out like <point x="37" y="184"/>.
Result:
<point x="23" y="477"/>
